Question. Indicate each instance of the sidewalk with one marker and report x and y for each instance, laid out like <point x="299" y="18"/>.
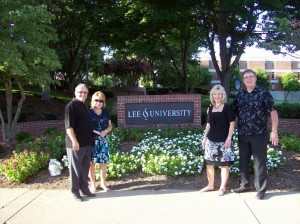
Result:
<point x="25" y="206"/>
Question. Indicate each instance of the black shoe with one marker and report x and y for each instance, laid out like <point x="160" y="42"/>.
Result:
<point x="260" y="195"/>
<point x="89" y="194"/>
<point x="77" y="196"/>
<point x="240" y="190"/>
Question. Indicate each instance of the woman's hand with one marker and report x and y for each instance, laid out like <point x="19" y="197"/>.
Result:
<point x="228" y="143"/>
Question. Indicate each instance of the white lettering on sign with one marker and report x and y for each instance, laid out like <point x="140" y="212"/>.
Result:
<point x="134" y="113"/>
<point x="158" y="113"/>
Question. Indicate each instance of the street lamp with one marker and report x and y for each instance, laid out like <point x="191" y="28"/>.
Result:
<point x="87" y="56"/>
<point x="11" y="32"/>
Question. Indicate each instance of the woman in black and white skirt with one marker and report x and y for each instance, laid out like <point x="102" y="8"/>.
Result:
<point x="217" y="138"/>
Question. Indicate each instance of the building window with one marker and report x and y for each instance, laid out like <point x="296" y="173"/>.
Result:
<point x="295" y="65"/>
<point x="272" y="75"/>
<point x="210" y="64"/>
<point x="246" y="64"/>
<point x="269" y="65"/>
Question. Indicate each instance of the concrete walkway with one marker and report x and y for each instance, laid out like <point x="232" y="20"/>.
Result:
<point x="147" y="207"/>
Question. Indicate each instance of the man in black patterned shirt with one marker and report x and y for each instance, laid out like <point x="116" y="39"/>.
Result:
<point x="252" y="106"/>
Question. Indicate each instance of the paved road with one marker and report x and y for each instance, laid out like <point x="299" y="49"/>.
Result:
<point x="25" y="206"/>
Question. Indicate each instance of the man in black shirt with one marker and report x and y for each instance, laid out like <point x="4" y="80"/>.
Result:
<point x="252" y="106"/>
<point x="79" y="142"/>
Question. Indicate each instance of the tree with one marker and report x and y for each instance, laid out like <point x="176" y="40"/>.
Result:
<point x="25" y="55"/>
<point x="81" y="26"/>
<point x="198" y="76"/>
<point x="263" y="78"/>
<point x="282" y="30"/>
<point x="129" y="71"/>
<point x="289" y="82"/>
<point x="161" y="28"/>
<point x="232" y="25"/>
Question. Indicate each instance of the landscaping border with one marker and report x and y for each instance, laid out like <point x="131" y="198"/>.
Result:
<point x="36" y="128"/>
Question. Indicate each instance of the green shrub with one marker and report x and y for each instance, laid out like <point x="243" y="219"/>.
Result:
<point x="52" y="131"/>
<point x="151" y="91"/>
<point x="162" y="91"/>
<point x="137" y="134"/>
<point x="175" y="89"/>
<point x="290" y="143"/>
<point x="22" y="117"/>
<point x="289" y="110"/>
<point x="23" y="136"/>
<point x="203" y="91"/>
<point x="2" y="149"/>
<point x="22" y="165"/>
<point x="114" y="119"/>
<point x="54" y="145"/>
<point x="108" y="94"/>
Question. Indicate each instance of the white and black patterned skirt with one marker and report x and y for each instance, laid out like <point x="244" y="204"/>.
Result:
<point x="217" y="154"/>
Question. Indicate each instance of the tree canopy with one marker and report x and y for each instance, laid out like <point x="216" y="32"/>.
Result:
<point x="25" y="36"/>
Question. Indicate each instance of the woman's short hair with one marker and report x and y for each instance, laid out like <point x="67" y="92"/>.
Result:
<point x="98" y="96"/>
<point x="218" y="89"/>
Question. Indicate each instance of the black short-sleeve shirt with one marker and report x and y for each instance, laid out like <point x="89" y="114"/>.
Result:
<point x="253" y="109"/>
<point x="219" y="123"/>
<point x="77" y="117"/>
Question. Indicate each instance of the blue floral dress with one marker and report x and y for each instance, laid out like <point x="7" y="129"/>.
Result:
<point x="100" y="152"/>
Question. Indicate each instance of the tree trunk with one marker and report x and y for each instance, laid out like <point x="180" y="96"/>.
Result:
<point x="12" y="122"/>
<point x="46" y="92"/>
<point x="3" y="126"/>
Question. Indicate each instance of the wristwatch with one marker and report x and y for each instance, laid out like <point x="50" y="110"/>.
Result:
<point x="275" y="130"/>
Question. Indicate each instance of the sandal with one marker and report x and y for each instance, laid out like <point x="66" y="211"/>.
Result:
<point x="92" y="189"/>
<point x="222" y="191"/>
<point x="105" y="189"/>
<point x="207" y="188"/>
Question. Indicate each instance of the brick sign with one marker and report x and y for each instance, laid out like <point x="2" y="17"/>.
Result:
<point x="159" y="110"/>
<point x="159" y="113"/>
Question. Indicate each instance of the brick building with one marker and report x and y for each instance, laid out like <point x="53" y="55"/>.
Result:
<point x="275" y="65"/>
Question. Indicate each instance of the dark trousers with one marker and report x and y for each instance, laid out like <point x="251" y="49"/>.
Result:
<point x="79" y="168"/>
<point x="256" y="146"/>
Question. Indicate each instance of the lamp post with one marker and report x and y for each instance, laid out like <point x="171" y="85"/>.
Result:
<point x="11" y="32"/>
<point x="87" y="56"/>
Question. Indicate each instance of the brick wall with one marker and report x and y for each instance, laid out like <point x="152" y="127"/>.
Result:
<point x="288" y="125"/>
<point x="36" y="128"/>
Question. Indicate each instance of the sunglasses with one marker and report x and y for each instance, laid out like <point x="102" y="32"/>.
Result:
<point x="99" y="101"/>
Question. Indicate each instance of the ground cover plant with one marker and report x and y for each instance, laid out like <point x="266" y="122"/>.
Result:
<point x="173" y="152"/>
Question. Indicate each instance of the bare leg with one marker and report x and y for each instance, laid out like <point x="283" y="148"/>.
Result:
<point x="92" y="177"/>
<point x="210" y="172"/>
<point x="224" y="179"/>
<point x="103" y="177"/>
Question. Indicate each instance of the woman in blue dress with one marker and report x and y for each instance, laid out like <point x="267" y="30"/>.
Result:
<point x="100" y="152"/>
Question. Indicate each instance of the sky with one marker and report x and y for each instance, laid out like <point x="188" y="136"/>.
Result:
<point x="254" y="52"/>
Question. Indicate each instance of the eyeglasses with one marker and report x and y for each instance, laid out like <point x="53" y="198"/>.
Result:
<point x="82" y="92"/>
<point x="99" y="101"/>
<point x="248" y="77"/>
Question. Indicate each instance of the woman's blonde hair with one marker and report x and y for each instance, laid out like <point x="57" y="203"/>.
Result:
<point x="98" y="96"/>
<point x="218" y="89"/>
